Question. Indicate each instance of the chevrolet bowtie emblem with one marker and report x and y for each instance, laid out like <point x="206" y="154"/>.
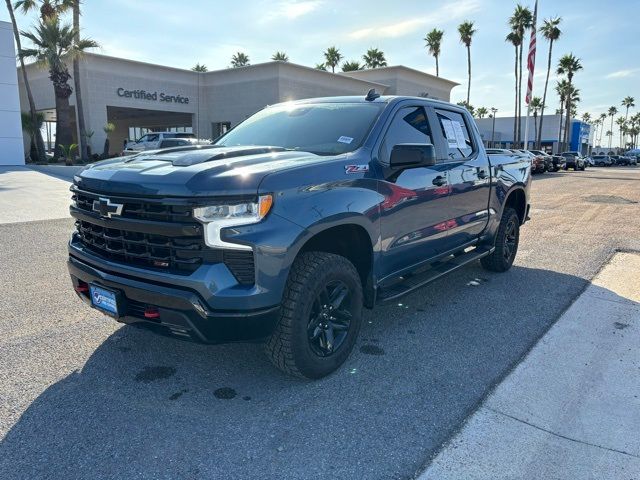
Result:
<point x="107" y="209"/>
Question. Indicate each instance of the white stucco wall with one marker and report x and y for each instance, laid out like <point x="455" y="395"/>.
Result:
<point x="11" y="149"/>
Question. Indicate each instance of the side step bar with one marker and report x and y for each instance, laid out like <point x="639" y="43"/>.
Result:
<point x="435" y="271"/>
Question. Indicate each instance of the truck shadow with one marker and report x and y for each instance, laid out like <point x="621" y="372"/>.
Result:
<point x="145" y="406"/>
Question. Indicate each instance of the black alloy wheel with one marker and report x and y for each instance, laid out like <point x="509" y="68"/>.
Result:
<point x="510" y="240"/>
<point x="330" y="319"/>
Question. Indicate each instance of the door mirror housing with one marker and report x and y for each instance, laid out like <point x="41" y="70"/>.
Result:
<point x="413" y="155"/>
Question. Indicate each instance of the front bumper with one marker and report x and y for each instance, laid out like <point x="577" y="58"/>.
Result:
<point x="181" y="312"/>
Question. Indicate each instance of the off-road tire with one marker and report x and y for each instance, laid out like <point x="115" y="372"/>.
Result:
<point x="497" y="261"/>
<point x="288" y="346"/>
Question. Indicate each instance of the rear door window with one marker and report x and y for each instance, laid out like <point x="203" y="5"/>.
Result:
<point x="456" y="134"/>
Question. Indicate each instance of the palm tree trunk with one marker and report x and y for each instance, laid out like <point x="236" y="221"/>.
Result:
<point x="544" y="98"/>
<point x="469" y="73"/>
<point x="437" y="67"/>
<point x="82" y="139"/>
<point x="560" y="128"/>
<point x="535" y="125"/>
<point x="567" y="124"/>
<point x="63" y="120"/>
<point x="40" y="148"/>
<point x="515" y="117"/>
<point x="611" y="136"/>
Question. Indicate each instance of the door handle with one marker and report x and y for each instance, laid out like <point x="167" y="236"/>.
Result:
<point x="439" y="181"/>
<point x="482" y="174"/>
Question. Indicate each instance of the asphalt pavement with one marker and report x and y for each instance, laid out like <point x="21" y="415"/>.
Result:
<point x="83" y="397"/>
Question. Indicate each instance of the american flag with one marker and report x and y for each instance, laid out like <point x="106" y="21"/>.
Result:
<point x="531" y="59"/>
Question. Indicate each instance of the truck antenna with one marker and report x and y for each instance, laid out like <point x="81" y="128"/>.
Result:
<point x="372" y="95"/>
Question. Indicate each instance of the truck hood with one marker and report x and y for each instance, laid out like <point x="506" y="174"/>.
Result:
<point x="189" y="172"/>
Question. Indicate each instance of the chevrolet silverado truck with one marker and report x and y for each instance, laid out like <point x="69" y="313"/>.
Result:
<point x="293" y="222"/>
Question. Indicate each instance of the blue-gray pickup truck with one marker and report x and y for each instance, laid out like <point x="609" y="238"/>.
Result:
<point x="293" y="221"/>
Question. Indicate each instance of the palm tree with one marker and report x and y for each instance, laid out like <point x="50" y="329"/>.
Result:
<point x="586" y="117"/>
<point x="515" y="40"/>
<point x="520" y="21"/>
<point x="332" y="58"/>
<point x="374" y="58"/>
<point x="467" y="106"/>
<point x="52" y="44"/>
<point x="434" y="41"/>
<point x="466" y="31"/>
<point x="628" y="102"/>
<point x="82" y="141"/>
<point x="32" y="128"/>
<point x="280" y="57"/>
<point x="481" y="112"/>
<point x="562" y="89"/>
<point x="603" y="117"/>
<point x="611" y="113"/>
<point x="536" y="105"/>
<point x="351" y="66"/>
<point x="321" y="66"/>
<point x="48" y="8"/>
<point x="551" y="32"/>
<point x="568" y="65"/>
<point x="39" y="143"/>
<point x="610" y="135"/>
<point x="622" y="128"/>
<point x="239" y="59"/>
<point x="199" y="68"/>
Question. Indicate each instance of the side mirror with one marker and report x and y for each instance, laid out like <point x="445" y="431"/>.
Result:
<point x="413" y="155"/>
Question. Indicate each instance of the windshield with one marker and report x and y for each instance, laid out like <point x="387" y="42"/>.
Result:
<point x="322" y="128"/>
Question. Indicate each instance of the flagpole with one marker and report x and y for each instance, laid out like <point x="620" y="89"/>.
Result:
<point x="526" y="128"/>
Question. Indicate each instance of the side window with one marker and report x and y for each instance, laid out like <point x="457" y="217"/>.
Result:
<point x="456" y="133"/>
<point x="169" y="135"/>
<point x="409" y="125"/>
<point x="152" y="138"/>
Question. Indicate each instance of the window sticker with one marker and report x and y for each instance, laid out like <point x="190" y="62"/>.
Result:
<point x="460" y="140"/>
<point x="449" y="132"/>
<point x="344" y="139"/>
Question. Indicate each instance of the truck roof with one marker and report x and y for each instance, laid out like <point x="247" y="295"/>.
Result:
<point x="362" y="99"/>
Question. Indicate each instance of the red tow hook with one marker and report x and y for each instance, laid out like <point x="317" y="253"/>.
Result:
<point x="81" y="288"/>
<point x="151" y="312"/>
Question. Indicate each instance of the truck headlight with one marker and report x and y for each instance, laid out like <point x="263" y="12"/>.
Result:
<point x="235" y="214"/>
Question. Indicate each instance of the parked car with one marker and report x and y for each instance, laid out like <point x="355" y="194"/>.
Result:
<point x="623" y="160"/>
<point x="549" y="164"/>
<point x="292" y="222"/>
<point x="152" y="140"/>
<point x="573" y="160"/>
<point x="537" y="163"/>
<point x="170" y="143"/>
<point x="601" y="160"/>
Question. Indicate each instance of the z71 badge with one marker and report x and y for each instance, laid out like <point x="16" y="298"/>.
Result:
<point x="356" y="168"/>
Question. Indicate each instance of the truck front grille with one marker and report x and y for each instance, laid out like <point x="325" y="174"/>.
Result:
<point x="174" y="254"/>
<point x="155" y="234"/>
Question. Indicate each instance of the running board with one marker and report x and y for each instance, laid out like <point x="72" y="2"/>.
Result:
<point x="435" y="271"/>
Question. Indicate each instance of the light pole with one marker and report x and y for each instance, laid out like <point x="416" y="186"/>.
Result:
<point x="493" y="128"/>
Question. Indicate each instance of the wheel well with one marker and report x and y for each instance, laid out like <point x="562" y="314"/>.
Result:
<point x="350" y="241"/>
<point x="518" y="201"/>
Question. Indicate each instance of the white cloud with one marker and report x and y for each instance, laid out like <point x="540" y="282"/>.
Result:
<point x="449" y="12"/>
<point x="292" y="9"/>
<point x="623" y="73"/>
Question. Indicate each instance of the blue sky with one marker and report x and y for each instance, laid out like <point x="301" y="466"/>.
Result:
<point x="603" y="34"/>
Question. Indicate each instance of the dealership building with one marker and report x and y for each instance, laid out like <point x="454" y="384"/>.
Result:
<point x="498" y="133"/>
<point x="139" y="97"/>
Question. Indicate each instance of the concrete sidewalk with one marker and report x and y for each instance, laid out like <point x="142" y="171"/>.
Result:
<point x="27" y="195"/>
<point x="571" y="409"/>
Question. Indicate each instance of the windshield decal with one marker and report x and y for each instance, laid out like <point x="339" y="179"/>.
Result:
<point x="345" y="139"/>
